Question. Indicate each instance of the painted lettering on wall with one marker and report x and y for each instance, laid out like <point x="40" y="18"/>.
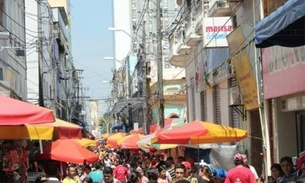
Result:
<point x="283" y="58"/>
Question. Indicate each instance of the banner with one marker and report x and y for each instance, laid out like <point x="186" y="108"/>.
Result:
<point x="283" y="71"/>
<point x="242" y="65"/>
<point x="246" y="80"/>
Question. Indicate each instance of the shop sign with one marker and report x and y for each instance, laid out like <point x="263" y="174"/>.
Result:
<point x="215" y="31"/>
<point x="243" y="68"/>
<point x="283" y="71"/>
<point x="246" y="80"/>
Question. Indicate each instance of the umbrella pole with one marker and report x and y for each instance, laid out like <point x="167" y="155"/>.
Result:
<point x="40" y="146"/>
<point x="198" y="151"/>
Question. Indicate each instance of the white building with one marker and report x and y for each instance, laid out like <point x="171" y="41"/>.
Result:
<point x="12" y="55"/>
<point x="122" y="28"/>
<point x="40" y="65"/>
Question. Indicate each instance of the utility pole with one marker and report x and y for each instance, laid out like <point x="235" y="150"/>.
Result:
<point x="40" y="59"/>
<point x="145" y="95"/>
<point x="160" y="64"/>
<point x="78" y="103"/>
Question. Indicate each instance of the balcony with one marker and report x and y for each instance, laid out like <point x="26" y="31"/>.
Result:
<point x="174" y="58"/>
<point x="219" y="8"/>
<point x="192" y="38"/>
<point x="183" y="48"/>
<point x="199" y="24"/>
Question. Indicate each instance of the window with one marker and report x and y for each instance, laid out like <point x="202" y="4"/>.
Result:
<point x="233" y="114"/>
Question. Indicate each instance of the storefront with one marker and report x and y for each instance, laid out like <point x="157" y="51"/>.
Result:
<point x="284" y="86"/>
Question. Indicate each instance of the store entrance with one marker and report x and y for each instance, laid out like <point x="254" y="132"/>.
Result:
<point x="300" y="130"/>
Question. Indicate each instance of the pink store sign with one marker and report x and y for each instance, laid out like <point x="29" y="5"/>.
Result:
<point x="283" y="71"/>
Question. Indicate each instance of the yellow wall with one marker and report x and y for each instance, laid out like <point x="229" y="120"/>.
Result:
<point x="59" y="3"/>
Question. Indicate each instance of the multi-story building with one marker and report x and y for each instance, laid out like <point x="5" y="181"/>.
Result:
<point x="140" y="71"/>
<point x="231" y="82"/>
<point x="40" y="61"/>
<point x="52" y="79"/>
<point x="199" y="44"/>
<point x="12" y="54"/>
<point x="282" y="61"/>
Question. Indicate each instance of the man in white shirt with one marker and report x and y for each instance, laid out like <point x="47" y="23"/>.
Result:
<point x="251" y="167"/>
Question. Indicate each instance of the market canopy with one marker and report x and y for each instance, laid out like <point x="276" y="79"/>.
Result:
<point x="46" y="131"/>
<point x="16" y="112"/>
<point x="284" y="27"/>
<point x="67" y="151"/>
<point x="130" y="141"/>
<point x="154" y="127"/>
<point x="113" y="139"/>
<point x="62" y="129"/>
<point x="199" y="132"/>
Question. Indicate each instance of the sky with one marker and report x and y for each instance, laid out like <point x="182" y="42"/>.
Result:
<point x="91" y="42"/>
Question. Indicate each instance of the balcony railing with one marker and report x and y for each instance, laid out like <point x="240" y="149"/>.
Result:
<point x="174" y="58"/>
<point x="219" y="8"/>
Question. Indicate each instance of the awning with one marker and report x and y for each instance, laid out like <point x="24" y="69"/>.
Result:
<point x="117" y="127"/>
<point x="284" y="27"/>
<point x="123" y="104"/>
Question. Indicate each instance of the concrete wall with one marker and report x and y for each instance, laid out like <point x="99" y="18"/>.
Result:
<point x="284" y="132"/>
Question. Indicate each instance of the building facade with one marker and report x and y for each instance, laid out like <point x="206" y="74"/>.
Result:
<point x="139" y="71"/>
<point x="12" y="55"/>
<point x="52" y="79"/>
<point x="199" y="44"/>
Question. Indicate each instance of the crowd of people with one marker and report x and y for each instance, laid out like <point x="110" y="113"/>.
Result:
<point x="128" y="166"/>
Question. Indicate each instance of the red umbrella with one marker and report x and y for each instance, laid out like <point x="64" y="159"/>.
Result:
<point x="16" y="112"/>
<point x="130" y="141"/>
<point x="67" y="151"/>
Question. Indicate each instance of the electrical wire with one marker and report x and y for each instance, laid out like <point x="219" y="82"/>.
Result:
<point x="239" y="47"/>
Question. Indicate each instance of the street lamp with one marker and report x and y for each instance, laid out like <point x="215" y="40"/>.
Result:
<point x="112" y="58"/>
<point x="107" y="82"/>
<point x="114" y="29"/>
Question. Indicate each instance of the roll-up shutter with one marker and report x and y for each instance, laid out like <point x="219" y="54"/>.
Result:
<point x="203" y="96"/>
<point x="217" y="106"/>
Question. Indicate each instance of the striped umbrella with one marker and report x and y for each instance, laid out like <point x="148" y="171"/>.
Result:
<point x="199" y="132"/>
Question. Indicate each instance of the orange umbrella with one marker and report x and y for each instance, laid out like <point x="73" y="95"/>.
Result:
<point x="198" y="132"/>
<point x="130" y="141"/>
<point x="106" y="135"/>
<point x="114" y="138"/>
<point x="67" y="151"/>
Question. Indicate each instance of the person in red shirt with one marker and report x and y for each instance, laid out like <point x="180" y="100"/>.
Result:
<point x="240" y="173"/>
<point x="120" y="172"/>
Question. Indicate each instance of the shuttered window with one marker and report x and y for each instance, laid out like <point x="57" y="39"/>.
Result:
<point x="203" y="98"/>
<point x="193" y="99"/>
<point x="216" y="98"/>
<point x="234" y="116"/>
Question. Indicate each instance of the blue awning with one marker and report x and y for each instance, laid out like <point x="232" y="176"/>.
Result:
<point x="117" y="127"/>
<point x="284" y="27"/>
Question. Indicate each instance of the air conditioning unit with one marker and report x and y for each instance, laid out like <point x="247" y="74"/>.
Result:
<point x="234" y="96"/>
<point x="219" y="8"/>
<point x="295" y="103"/>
